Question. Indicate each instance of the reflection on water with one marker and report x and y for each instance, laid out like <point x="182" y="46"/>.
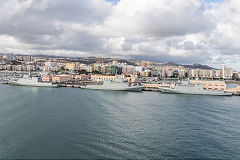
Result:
<point x="33" y="90"/>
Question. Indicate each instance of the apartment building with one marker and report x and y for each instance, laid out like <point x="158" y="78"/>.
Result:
<point x="213" y="85"/>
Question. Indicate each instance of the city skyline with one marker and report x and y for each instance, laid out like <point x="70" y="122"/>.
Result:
<point x="186" y="32"/>
<point x="12" y="56"/>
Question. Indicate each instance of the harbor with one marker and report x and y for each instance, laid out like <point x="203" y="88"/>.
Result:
<point x="27" y="80"/>
<point x="120" y="79"/>
<point x="118" y="74"/>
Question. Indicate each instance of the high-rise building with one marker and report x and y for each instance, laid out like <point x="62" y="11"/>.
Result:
<point x="226" y="72"/>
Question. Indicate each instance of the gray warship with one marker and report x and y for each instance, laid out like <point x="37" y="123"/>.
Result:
<point x="185" y="87"/>
<point x="29" y="80"/>
<point x="116" y="85"/>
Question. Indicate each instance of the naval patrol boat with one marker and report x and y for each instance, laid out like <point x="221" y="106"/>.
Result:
<point x="28" y="80"/>
<point x="185" y="87"/>
<point x="115" y="85"/>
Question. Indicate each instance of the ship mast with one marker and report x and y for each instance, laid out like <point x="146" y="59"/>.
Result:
<point x="30" y="74"/>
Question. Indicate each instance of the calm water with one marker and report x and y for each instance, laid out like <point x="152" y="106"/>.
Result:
<point x="75" y="123"/>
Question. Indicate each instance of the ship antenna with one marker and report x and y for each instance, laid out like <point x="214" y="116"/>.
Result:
<point x="30" y="74"/>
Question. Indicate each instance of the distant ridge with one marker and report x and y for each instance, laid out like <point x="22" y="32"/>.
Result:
<point x="171" y="64"/>
<point x="198" y="66"/>
<point x="93" y="59"/>
<point x="190" y="66"/>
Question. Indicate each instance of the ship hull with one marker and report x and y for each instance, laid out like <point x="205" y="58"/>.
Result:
<point x="204" y="92"/>
<point x="133" y="89"/>
<point x="35" y="84"/>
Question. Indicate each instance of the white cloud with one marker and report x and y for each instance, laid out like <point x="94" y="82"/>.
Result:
<point x="168" y="30"/>
<point x="227" y="33"/>
<point x="158" y="18"/>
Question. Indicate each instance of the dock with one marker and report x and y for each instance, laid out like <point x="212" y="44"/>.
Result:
<point x="78" y="85"/>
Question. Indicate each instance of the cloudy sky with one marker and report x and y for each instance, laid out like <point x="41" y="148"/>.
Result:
<point x="184" y="31"/>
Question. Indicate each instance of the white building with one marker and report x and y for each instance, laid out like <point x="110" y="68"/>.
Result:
<point x="226" y="72"/>
<point x="50" y="64"/>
